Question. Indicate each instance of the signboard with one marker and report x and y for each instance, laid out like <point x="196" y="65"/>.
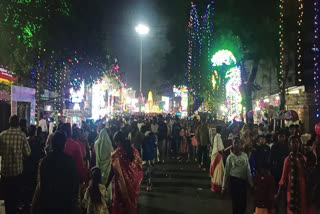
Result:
<point x="72" y="113"/>
<point x="6" y="77"/>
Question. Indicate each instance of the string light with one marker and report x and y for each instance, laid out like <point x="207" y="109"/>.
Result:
<point x="200" y="42"/>
<point x="282" y="49"/>
<point x="299" y="41"/>
<point x="316" y="57"/>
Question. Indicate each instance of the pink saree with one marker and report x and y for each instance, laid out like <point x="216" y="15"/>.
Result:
<point x="128" y="177"/>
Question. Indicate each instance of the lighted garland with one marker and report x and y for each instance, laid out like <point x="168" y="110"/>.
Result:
<point x="299" y="41"/>
<point x="200" y="43"/>
<point x="282" y="49"/>
<point x="316" y="58"/>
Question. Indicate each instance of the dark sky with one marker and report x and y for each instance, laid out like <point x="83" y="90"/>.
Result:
<point x="121" y="16"/>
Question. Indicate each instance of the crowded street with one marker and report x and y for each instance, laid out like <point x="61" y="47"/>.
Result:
<point x="159" y="106"/>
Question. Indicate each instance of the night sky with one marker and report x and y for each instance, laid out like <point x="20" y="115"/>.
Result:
<point x="121" y="16"/>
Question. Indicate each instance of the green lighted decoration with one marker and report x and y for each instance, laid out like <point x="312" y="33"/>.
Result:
<point x="226" y="82"/>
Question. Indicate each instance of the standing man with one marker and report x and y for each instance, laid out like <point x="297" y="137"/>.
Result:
<point x="176" y="128"/>
<point x="204" y="144"/>
<point x="162" y="138"/>
<point x="13" y="148"/>
<point x="44" y="129"/>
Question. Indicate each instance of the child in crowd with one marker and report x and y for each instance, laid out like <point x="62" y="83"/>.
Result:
<point x="95" y="198"/>
<point x="265" y="190"/>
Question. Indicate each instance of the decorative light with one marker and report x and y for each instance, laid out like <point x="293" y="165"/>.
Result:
<point x="223" y="57"/>
<point x="282" y="49"/>
<point x="316" y="57"/>
<point x="299" y="41"/>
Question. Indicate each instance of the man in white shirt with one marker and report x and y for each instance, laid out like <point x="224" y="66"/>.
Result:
<point x="43" y="125"/>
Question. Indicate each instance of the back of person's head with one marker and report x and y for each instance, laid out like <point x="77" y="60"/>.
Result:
<point x="39" y="130"/>
<point x="23" y="123"/>
<point x="76" y="133"/>
<point x="121" y="139"/>
<point x="32" y="130"/>
<point x="66" y="128"/>
<point x="94" y="190"/>
<point x="218" y="129"/>
<point x="58" y="141"/>
<point x="14" y="121"/>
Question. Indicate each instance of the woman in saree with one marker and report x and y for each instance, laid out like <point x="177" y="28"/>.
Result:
<point x="217" y="166"/>
<point x="294" y="178"/>
<point x="103" y="149"/>
<point x="127" y="172"/>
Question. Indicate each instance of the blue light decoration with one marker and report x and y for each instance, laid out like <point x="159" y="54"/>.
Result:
<point x="316" y="57"/>
<point x="51" y="74"/>
<point x="200" y="30"/>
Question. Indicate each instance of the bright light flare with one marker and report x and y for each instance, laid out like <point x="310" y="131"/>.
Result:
<point x="142" y="29"/>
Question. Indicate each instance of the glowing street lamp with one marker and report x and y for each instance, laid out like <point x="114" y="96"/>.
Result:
<point x="141" y="30"/>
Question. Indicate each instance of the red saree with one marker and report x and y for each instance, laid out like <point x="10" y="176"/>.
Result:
<point x="128" y="177"/>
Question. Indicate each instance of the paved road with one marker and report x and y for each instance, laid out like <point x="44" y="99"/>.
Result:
<point x="181" y="188"/>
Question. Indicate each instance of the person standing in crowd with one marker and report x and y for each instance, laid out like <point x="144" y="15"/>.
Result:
<point x="140" y="123"/>
<point x="58" y="185"/>
<point x="149" y="152"/>
<point x="127" y="172"/>
<point x="95" y="198"/>
<point x="23" y="126"/>
<point x="261" y="152"/>
<point x="136" y="137"/>
<point x="204" y="143"/>
<point x="44" y="127"/>
<point x="73" y="149"/>
<point x="32" y="162"/>
<point x="154" y="126"/>
<point x="176" y="128"/>
<point x="238" y="170"/>
<point x="278" y="153"/>
<point x="293" y="130"/>
<point x="162" y="138"/>
<point x="51" y="126"/>
<point x="313" y="164"/>
<point x="265" y="189"/>
<point x="13" y="148"/>
<point x="217" y="166"/>
<point x="184" y="145"/>
<point x="103" y="149"/>
<point x="294" y="179"/>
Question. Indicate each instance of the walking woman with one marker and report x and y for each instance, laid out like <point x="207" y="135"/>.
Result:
<point x="238" y="171"/>
<point x="95" y="199"/>
<point x="217" y="166"/>
<point x="294" y="178"/>
<point x="103" y="149"/>
<point x="127" y="172"/>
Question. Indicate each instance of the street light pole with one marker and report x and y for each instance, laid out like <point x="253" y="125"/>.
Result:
<point x="140" y="76"/>
<point x="141" y="30"/>
<point x="140" y="65"/>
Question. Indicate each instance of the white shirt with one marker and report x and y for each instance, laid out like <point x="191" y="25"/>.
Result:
<point x="140" y="126"/>
<point x="239" y="167"/>
<point x="43" y="125"/>
<point x="51" y="125"/>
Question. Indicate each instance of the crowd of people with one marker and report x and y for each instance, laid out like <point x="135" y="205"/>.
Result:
<point x="98" y="167"/>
